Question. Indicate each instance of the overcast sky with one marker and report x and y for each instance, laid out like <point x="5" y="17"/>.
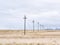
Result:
<point x="46" y="12"/>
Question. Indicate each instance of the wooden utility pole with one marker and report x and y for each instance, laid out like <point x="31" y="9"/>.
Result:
<point x="33" y="25"/>
<point x="24" y="24"/>
<point x="38" y="26"/>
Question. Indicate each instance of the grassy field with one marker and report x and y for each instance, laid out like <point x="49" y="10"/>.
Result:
<point x="41" y="37"/>
<point x="27" y="44"/>
<point x="29" y="33"/>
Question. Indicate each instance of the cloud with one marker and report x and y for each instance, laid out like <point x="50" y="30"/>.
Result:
<point x="43" y="11"/>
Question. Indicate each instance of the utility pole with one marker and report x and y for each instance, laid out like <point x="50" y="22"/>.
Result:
<point x="38" y="26"/>
<point x="33" y="25"/>
<point x="42" y="27"/>
<point x="24" y="24"/>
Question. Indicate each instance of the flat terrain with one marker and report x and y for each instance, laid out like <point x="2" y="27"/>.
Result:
<point x="41" y="37"/>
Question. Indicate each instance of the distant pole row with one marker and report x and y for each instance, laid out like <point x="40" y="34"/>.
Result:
<point x="39" y="26"/>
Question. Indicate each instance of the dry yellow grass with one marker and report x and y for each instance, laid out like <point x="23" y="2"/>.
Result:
<point x="28" y="44"/>
<point x="17" y="37"/>
<point x="29" y="33"/>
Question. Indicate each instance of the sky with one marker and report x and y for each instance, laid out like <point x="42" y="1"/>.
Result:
<point x="46" y="12"/>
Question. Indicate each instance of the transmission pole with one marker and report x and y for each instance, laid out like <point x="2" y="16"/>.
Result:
<point x="33" y="25"/>
<point x="24" y="24"/>
<point x="38" y="26"/>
